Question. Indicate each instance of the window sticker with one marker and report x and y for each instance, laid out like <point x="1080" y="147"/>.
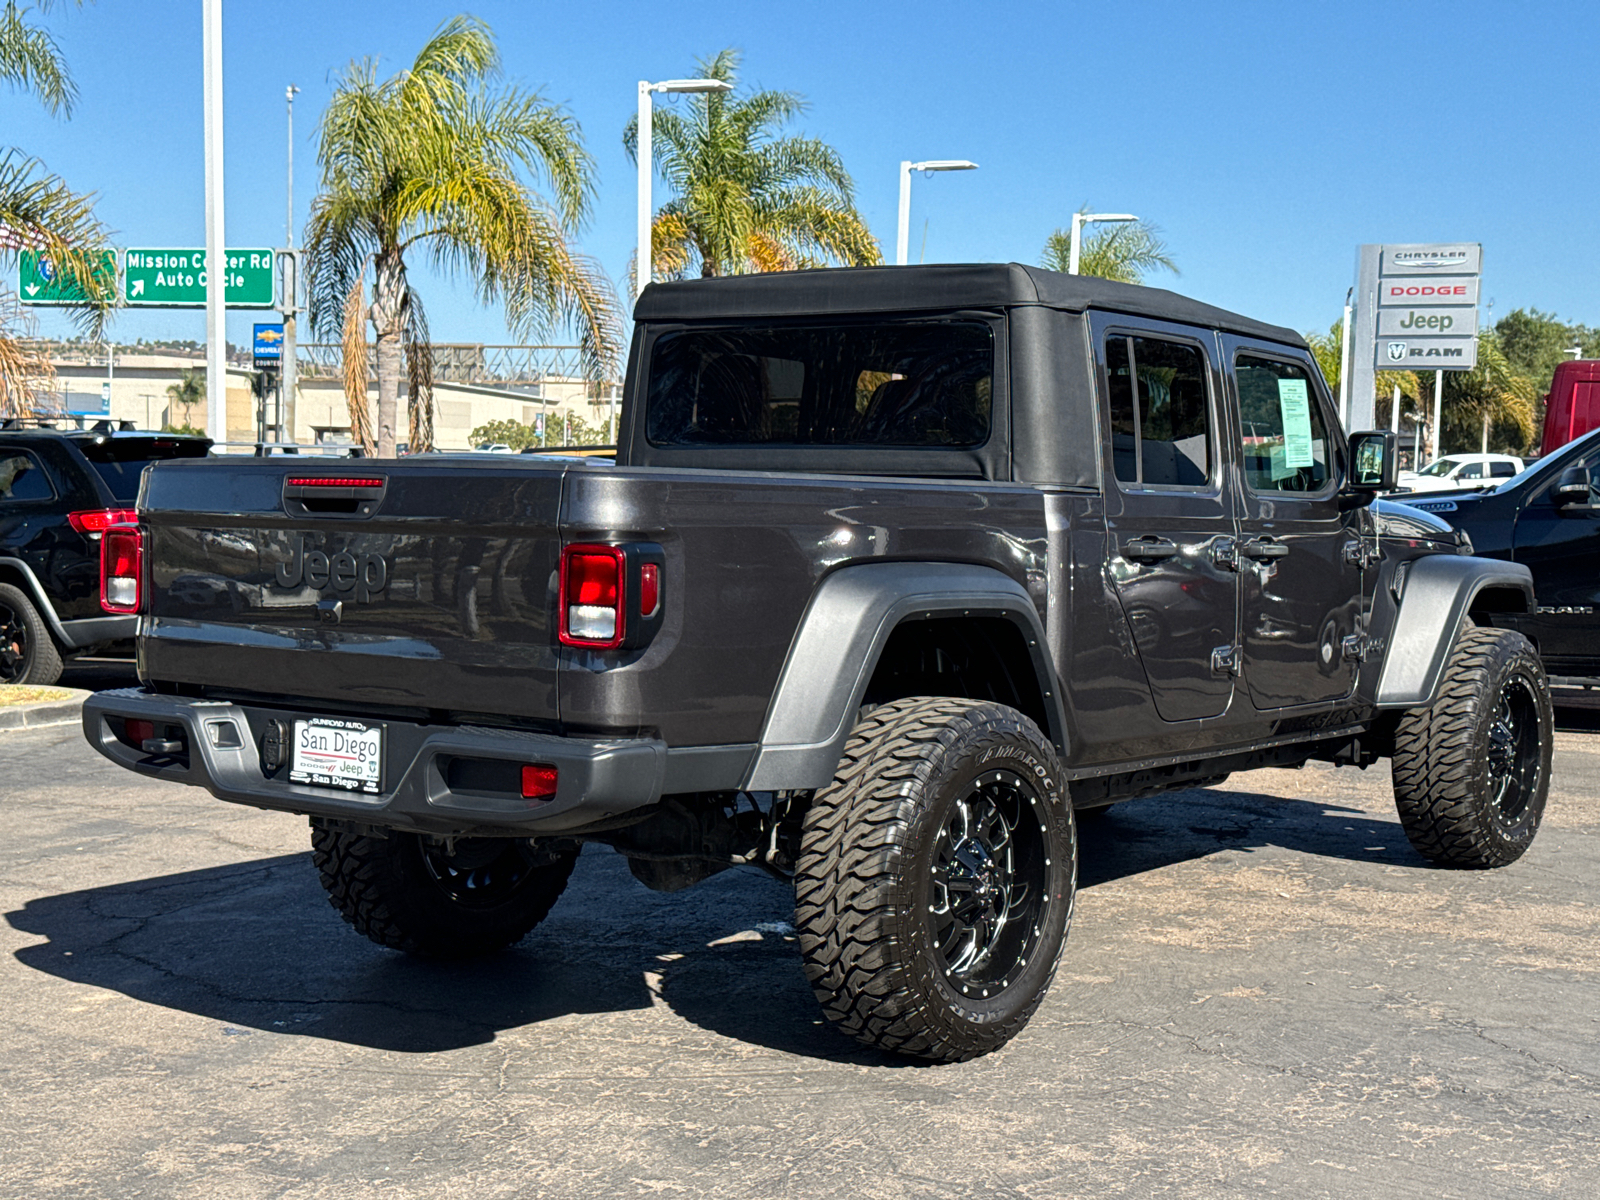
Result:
<point x="1294" y="404"/>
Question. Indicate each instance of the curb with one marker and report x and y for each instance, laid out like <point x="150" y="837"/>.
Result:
<point x="43" y="713"/>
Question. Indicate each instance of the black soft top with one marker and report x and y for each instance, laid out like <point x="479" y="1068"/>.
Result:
<point x="942" y="287"/>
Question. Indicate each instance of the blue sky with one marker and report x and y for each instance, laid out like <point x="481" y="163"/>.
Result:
<point x="1267" y="140"/>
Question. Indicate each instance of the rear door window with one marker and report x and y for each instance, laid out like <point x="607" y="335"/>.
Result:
<point x="22" y="477"/>
<point x="911" y="384"/>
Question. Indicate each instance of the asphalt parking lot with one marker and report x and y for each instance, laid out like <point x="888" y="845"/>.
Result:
<point x="1265" y="993"/>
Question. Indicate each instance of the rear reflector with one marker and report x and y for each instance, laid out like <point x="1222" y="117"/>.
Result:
<point x="649" y="589"/>
<point x="139" y="732"/>
<point x="538" y="781"/>
<point x="97" y="521"/>
<point x="592" y="596"/>
<point x="121" y="559"/>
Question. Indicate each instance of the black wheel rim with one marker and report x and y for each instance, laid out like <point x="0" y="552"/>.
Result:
<point x="13" y="645"/>
<point x="989" y="884"/>
<point x="1514" y="758"/>
<point x="479" y="872"/>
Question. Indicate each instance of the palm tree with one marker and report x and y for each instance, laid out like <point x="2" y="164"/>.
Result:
<point x="430" y="162"/>
<point x="39" y="212"/>
<point x="188" y="391"/>
<point x="1123" y="252"/>
<point x="1492" y="398"/>
<point x="745" y="198"/>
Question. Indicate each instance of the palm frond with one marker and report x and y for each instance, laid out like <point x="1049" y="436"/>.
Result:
<point x="355" y="366"/>
<point x="27" y="376"/>
<point x="1125" y="252"/>
<point x="39" y="212"/>
<point x="419" y="375"/>
<point x="30" y="61"/>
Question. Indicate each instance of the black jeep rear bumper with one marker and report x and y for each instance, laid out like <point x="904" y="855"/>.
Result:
<point x="597" y="779"/>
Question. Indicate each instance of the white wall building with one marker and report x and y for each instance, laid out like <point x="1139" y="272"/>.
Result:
<point x="131" y="384"/>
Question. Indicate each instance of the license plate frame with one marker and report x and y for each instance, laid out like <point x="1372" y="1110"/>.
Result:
<point x="337" y="753"/>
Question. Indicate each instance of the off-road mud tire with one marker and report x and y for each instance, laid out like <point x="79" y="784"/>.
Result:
<point x="40" y="661"/>
<point x="387" y="889"/>
<point x="867" y="871"/>
<point x="1445" y="786"/>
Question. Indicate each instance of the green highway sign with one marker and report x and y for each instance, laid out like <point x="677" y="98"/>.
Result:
<point x="177" y="279"/>
<point x="38" y="281"/>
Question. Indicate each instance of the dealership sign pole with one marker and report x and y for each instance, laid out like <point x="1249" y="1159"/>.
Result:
<point x="1416" y="309"/>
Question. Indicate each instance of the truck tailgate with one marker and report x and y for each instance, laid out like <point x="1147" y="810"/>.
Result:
<point x="398" y="583"/>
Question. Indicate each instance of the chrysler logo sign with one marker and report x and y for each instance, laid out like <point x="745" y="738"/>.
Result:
<point x="1446" y="260"/>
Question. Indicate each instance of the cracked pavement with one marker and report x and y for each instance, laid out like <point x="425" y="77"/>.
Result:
<point x="1265" y="993"/>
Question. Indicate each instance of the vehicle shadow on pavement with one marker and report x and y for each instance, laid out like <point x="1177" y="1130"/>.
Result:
<point x="255" y="945"/>
<point x="1142" y="835"/>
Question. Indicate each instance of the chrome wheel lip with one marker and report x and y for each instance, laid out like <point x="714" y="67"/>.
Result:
<point x="1513" y="755"/>
<point x="988" y="883"/>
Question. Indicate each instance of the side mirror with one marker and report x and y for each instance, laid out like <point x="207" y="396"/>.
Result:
<point x="1373" y="461"/>
<point x="1571" y="489"/>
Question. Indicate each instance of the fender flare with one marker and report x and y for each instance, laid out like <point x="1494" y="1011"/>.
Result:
<point x="30" y="584"/>
<point x="1439" y="589"/>
<point x="836" y="649"/>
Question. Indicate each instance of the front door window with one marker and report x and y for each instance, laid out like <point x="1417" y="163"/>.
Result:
<point x="1301" y="580"/>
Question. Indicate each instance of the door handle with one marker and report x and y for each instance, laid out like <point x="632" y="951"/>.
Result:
<point x="1148" y="549"/>
<point x="1263" y="548"/>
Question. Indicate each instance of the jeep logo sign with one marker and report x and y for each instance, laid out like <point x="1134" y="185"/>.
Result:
<point x="362" y="576"/>
<point x="1431" y="322"/>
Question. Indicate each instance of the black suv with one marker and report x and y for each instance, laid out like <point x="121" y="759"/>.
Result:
<point x="1548" y="519"/>
<point x="59" y="490"/>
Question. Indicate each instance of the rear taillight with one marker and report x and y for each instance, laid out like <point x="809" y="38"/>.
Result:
<point x="121" y="559"/>
<point x="96" y="521"/>
<point x="592" y="596"/>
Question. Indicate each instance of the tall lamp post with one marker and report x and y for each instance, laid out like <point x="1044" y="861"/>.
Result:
<point x="1079" y="220"/>
<point x="291" y="293"/>
<point x="903" y="237"/>
<point x="642" y="269"/>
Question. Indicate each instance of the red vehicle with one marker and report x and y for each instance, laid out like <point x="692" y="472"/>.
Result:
<point x="1573" y="408"/>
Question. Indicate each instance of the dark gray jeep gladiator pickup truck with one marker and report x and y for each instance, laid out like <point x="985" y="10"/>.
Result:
<point x="895" y="570"/>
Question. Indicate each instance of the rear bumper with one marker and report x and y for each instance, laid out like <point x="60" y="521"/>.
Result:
<point x="598" y="779"/>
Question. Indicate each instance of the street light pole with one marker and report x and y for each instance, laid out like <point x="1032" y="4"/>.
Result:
<point x="903" y="232"/>
<point x="644" y="259"/>
<point x="291" y="295"/>
<point x="1079" y="220"/>
<point x="216" y="246"/>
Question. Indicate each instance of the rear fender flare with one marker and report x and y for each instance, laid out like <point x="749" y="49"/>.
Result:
<point x="30" y="584"/>
<point x="836" y="649"/>
<point x="1439" y="591"/>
